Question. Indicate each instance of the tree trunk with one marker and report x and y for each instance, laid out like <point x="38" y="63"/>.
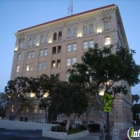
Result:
<point x="102" y="123"/>
<point x="68" y="123"/>
<point x="46" y="116"/>
<point x="87" y="118"/>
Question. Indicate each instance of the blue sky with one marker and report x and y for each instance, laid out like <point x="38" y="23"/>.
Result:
<point x="20" y="14"/>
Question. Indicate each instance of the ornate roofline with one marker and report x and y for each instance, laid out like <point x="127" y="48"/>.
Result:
<point x="68" y="18"/>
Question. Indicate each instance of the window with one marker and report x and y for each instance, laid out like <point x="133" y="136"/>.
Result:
<point x="46" y="38"/>
<point x="30" y="42"/>
<point x="35" y="108"/>
<point x="54" y="50"/>
<point x="107" y="40"/>
<point x="33" y="54"/>
<point x="54" y="36"/>
<point x="67" y="76"/>
<point x="74" y="60"/>
<point x="41" y="53"/>
<point x="59" y="49"/>
<point x="58" y="63"/>
<point x="69" y="33"/>
<point x="39" y="66"/>
<point x="60" y="35"/>
<point x="27" y="67"/>
<point x="34" y="41"/>
<point x="18" y="68"/>
<point x="42" y="40"/>
<point x="31" y="67"/>
<point x="69" y="47"/>
<point x="75" y="32"/>
<point x="53" y="64"/>
<point x="68" y="62"/>
<point x="84" y="30"/>
<point x="20" y="44"/>
<point x="44" y="65"/>
<point x="74" y="47"/>
<point x="85" y="45"/>
<point x="29" y="55"/>
<point x="106" y="25"/>
<point x="57" y="76"/>
<point x="19" y="56"/>
<point x="91" y="43"/>
<point x="45" y="52"/>
<point x="91" y="28"/>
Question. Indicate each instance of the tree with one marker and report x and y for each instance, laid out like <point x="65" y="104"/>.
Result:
<point x="42" y="86"/>
<point x="106" y="65"/>
<point x="3" y="103"/>
<point x="68" y="99"/>
<point x="135" y="98"/>
<point x="16" y="92"/>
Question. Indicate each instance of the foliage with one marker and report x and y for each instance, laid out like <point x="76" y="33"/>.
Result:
<point x="71" y="130"/>
<point x="135" y="109"/>
<point x="16" y="92"/>
<point x="106" y="65"/>
<point x="94" y="127"/>
<point x="100" y="65"/>
<point x="68" y="99"/>
<point x="135" y="98"/>
<point x="42" y="86"/>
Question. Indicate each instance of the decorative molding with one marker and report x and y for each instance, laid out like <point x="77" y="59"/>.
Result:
<point x="66" y="20"/>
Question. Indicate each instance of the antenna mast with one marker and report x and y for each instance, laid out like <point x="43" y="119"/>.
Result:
<point x="70" y="8"/>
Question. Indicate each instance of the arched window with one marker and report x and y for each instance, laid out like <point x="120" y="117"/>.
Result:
<point x="30" y="42"/>
<point x="54" y="36"/>
<point x="46" y="38"/>
<point x="20" y="44"/>
<point x="60" y="35"/>
<point x="41" y="39"/>
<point x="75" y="32"/>
<point x="91" y="28"/>
<point x="34" y="41"/>
<point x="69" y="33"/>
<point x="84" y="30"/>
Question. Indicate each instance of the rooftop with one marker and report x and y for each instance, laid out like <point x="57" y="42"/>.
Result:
<point x="71" y="16"/>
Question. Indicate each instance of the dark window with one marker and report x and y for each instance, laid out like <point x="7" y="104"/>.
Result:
<point x="26" y="119"/>
<point x="54" y="50"/>
<point x="57" y="76"/>
<point x="60" y="35"/>
<point x="54" y="36"/>
<point x="59" y="49"/>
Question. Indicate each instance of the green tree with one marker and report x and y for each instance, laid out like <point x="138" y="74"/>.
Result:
<point x="135" y="98"/>
<point x="42" y="86"/>
<point x="106" y="65"/>
<point x="16" y="92"/>
<point x="68" y="99"/>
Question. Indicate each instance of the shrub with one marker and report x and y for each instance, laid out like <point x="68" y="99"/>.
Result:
<point x="58" y="129"/>
<point x="82" y="127"/>
<point x="94" y="127"/>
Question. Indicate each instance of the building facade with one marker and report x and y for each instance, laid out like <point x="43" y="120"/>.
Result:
<point x="53" y="47"/>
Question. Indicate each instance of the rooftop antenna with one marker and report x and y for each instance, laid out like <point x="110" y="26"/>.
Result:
<point x="70" y="8"/>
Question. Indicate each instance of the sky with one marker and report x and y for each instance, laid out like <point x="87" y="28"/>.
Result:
<point x="19" y="14"/>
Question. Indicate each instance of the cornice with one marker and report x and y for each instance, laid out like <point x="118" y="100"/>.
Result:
<point x="67" y="19"/>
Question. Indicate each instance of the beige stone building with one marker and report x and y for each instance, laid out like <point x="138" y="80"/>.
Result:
<point x="52" y="47"/>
